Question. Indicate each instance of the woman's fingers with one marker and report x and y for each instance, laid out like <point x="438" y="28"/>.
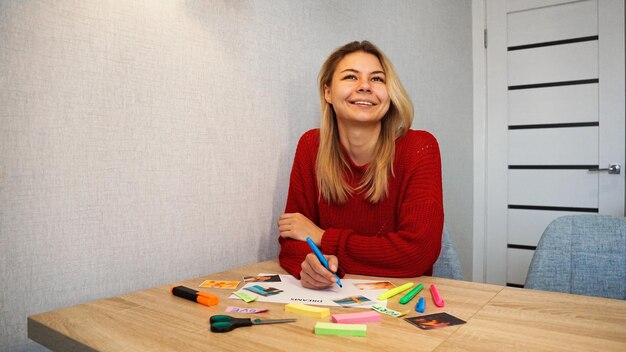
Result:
<point x="313" y="282"/>
<point x="333" y="263"/>
<point x="315" y="275"/>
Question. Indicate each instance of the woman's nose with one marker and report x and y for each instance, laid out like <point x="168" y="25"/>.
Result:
<point x="364" y="86"/>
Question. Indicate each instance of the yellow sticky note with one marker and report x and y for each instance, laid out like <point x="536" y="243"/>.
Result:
<point x="311" y="311"/>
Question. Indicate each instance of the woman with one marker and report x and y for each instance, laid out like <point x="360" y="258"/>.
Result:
<point x="363" y="186"/>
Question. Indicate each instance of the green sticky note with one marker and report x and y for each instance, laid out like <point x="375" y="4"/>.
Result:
<point x="246" y="297"/>
<point x="322" y="328"/>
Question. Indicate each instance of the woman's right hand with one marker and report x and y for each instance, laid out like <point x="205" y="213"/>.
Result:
<point x="314" y="275"/>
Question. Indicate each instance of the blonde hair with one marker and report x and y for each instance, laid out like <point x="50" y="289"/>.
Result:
<point x="331" y="162"/>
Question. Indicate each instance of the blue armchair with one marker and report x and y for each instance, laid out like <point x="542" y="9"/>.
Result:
<point x="448" y="264"/>
<point x="581" y="254"/>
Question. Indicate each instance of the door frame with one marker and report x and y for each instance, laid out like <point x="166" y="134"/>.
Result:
<point x="479" y="67"/>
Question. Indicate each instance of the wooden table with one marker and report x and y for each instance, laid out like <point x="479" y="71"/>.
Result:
<point x="498" y="319"/>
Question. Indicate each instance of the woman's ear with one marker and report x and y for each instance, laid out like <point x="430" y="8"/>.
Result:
<point x="327" y="94"/>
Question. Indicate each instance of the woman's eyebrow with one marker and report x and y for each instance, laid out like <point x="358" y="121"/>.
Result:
<point x="357" y="71"/>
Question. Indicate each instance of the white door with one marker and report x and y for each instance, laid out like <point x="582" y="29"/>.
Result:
<point x="555" y="110"/>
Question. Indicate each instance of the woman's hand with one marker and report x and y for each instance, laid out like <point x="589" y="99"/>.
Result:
<point x="299" y="227"/>
<point x="314" y="275"/>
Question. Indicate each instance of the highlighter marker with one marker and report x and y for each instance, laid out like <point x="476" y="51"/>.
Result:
<point x="421" y="305"/>
<point x="436" y="298"/>
<point x="321" y="257"/>
<point x="395" y="291"/>
<point x="196" y="296"/>
<point x="409" y="296"/>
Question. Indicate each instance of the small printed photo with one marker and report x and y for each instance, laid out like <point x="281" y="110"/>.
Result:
<point x="378" y="285"/>
<point x="264" y="291"/>
<point x="352" y="301"/>
<point x="262" y="278"/>
<point x="220" y="284"/>
<point x="434" y="321"/>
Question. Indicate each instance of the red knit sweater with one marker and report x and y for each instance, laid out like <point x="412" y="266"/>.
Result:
<point x="399" y="236"/>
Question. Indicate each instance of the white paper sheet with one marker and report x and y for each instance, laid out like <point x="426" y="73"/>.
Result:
<point x="294" y="292"/>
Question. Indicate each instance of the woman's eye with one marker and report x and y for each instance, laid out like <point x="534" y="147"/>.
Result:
<point x="350" y="77"/>
<point x="378" y="79"/>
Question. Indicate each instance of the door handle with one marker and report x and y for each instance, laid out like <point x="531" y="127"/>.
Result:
<point x="612" y="169"/>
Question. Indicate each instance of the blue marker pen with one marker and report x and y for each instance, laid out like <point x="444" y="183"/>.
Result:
<point x="421" y="305"/>
<point x="321" y="257"/>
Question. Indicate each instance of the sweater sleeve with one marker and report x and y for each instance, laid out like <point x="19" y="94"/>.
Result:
<point x="301" y="198"/>
<point x="414" y="247"/>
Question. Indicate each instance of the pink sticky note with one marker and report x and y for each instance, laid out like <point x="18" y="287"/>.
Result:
<point x="356" y="318"/>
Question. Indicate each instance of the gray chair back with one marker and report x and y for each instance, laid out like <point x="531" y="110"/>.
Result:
<point x="448" y="264"/>
<point x="581" y="254"/>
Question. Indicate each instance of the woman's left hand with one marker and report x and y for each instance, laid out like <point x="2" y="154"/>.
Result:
<point x="299" y="227"/>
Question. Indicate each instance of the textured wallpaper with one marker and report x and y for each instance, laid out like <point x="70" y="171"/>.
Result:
<point x="144" y="142"/>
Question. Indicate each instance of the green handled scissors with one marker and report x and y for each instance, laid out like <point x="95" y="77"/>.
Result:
<point x="226" y="323"/>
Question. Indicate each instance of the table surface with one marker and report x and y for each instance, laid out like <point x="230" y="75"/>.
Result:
<point x="498" y="319"/>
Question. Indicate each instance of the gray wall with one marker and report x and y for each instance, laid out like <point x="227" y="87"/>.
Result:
<point x="144" y="142"/>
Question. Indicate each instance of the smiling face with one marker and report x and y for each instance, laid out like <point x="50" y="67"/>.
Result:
<point x="358" y="92"/>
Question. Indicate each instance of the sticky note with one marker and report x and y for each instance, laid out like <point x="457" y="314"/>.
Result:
<point x="388" y="311"/>
<point x="245" y="296"/>
<point x="322" y="328"/>
<point x="315" y="312"/>
<point x="355" y="318"/>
